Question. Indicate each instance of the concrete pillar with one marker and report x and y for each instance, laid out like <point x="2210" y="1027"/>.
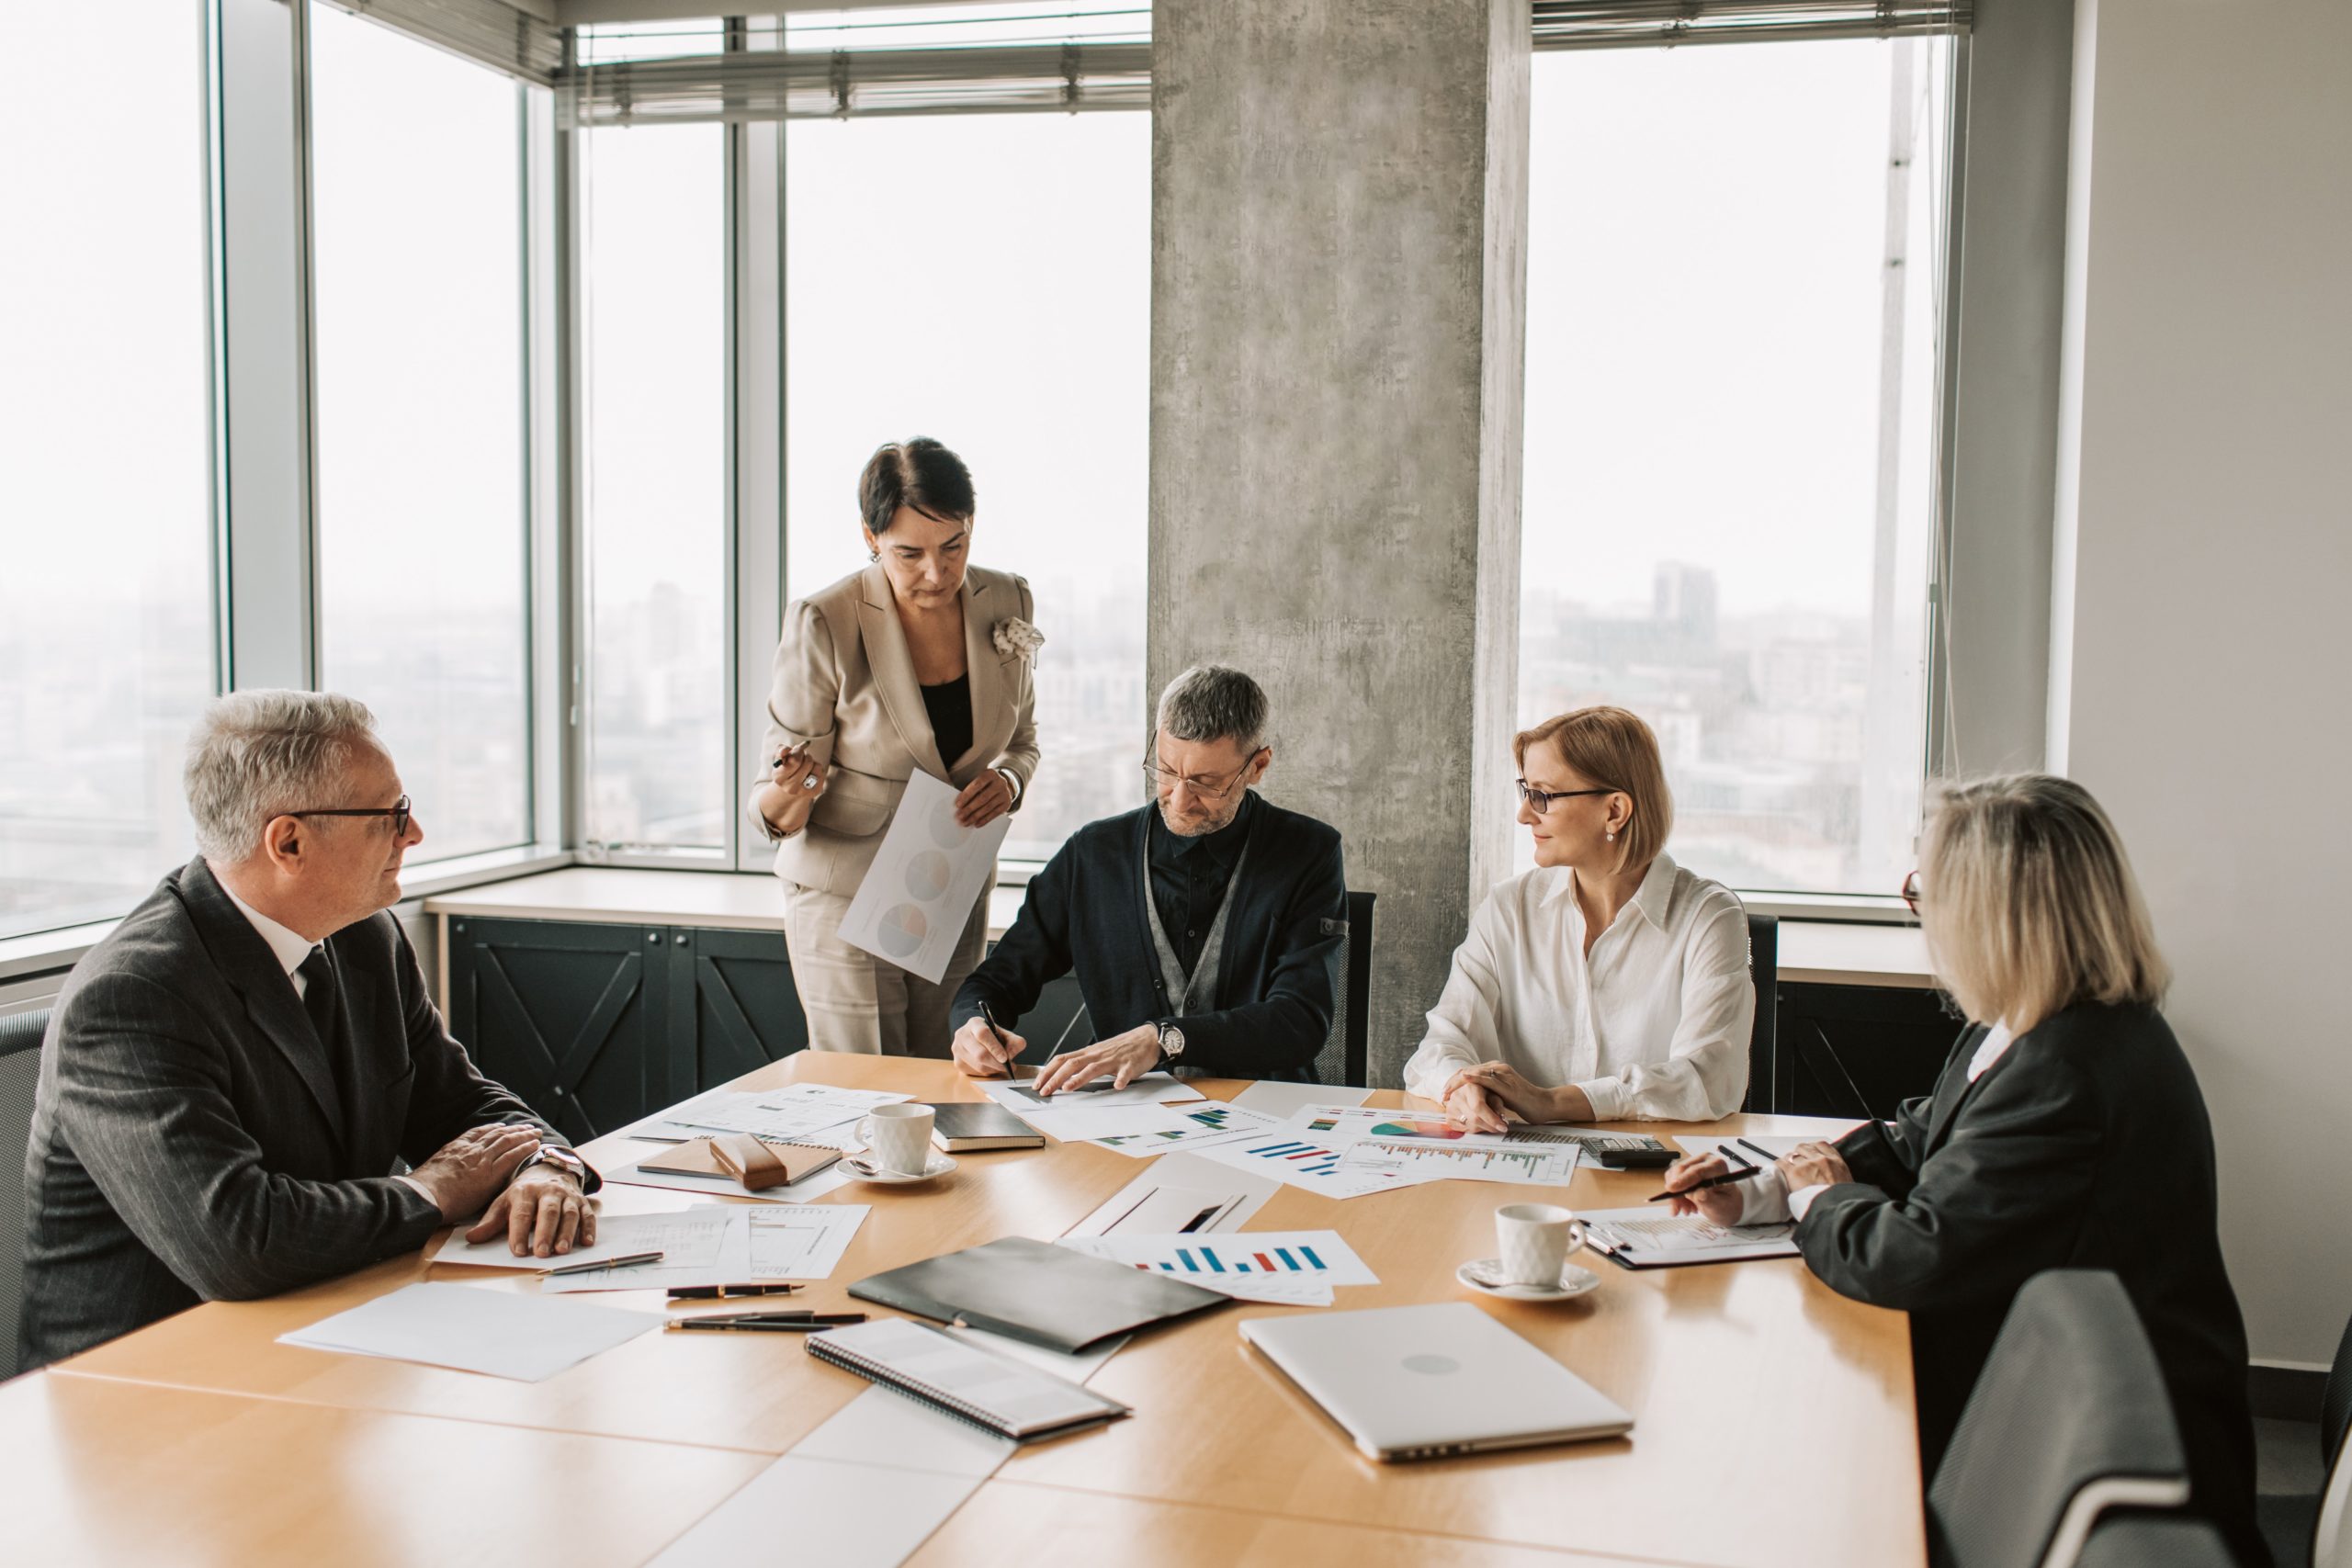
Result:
<point x="1339" y="276"/>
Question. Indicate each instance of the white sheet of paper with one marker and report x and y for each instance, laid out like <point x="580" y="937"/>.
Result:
<point x="1421" y="1159"/>
<point x="1733" y="1151"/>
<point x="1314" y="1166"/>
<point x="1171" y="1192"/>
<point x="1084" y="1123"/>
<point x="1298" y="1268"/>
<point x="755" y="1246"/>
<point x="804" y="1113"/>
<point x="496" y="1332"/>
<point x="1152" y="1088"/>
<point x="917" y="895"/>
<point x="843" y="1515"/>
<point x="1656" y="1233"/>
<point x="1282" y="1100"/>
<point x="833" y="1179"/>
<point x="1209" y="1122"/>
<point x="688" y="1237"/>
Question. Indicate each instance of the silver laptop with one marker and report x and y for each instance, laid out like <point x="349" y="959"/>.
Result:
<point x="1422" y="1382"/>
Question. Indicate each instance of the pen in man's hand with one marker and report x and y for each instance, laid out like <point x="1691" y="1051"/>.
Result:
<point x="989" y="1017"/>
<point x="1723" y="1180"/>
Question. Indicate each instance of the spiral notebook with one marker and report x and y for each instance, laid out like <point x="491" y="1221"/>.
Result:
<point x="987" y="1391"/>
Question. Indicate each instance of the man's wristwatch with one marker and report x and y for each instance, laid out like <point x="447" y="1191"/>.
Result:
<point x="1172" y="1044"/>
<point x="562" y="1159"/>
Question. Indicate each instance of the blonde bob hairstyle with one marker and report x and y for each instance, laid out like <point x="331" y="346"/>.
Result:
<point x="2029" y="904"/>
<point x="1616" y="751"/>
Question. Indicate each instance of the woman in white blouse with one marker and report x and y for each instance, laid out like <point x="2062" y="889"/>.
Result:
<point x="1608" y="983"/>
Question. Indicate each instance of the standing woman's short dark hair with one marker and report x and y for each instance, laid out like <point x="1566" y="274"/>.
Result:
<point x="920" y="473"/>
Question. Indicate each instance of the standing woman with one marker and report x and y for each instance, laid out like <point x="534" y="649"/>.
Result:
<point x="919" y="661"/>
<point x="2066" y="1132"/>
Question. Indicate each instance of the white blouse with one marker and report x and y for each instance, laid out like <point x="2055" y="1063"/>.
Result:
<point x="1652" y="1023"/>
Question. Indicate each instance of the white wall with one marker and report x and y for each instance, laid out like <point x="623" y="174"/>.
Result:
<point x="2205" y="627"/>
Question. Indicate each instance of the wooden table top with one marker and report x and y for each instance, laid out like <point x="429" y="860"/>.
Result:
<point x="1748" y="1382"/>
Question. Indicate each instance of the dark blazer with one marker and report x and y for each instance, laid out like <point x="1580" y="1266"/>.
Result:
<point x="1085" y="911"/>
<point x="188" y="1141"/>
<point x="2084" y="1147"/>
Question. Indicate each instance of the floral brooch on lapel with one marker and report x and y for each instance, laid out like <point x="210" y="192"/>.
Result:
<point x="1015" y="637"/>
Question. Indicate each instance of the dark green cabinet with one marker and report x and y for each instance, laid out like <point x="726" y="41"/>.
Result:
<point x="596" y="1026"/>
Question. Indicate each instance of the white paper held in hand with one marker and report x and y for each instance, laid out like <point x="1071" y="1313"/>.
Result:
<point x="911" y="907"/>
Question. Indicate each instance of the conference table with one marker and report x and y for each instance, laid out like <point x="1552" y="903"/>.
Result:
<point x="1773" y="1417"/>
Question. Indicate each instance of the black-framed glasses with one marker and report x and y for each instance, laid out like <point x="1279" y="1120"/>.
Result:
<point x="1911" y="891"/>
<point x="1160" y="778"/>
<point x="399" y="811"/>
<point x="1542" y="800"/>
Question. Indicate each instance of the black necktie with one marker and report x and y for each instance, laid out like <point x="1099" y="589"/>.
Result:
<point x="321" y="1000"/>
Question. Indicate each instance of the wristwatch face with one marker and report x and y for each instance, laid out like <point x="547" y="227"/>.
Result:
<point x="1171" y="1040"/>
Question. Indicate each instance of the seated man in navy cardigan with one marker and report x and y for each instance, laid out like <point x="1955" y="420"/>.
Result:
<point x="1203" y="927"/>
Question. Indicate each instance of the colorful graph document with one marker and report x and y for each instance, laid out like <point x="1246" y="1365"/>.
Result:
<point x="1298" y="1268"/>
<point x="1348" y="1121"/>
<point x="1422" y="1160"/>
<point x="1318" y="1164"/>
<point x="1208" y="1122"/>
<point x="917" y="895"/>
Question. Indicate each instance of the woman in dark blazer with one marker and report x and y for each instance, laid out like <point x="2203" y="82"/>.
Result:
<point x="2066" y="1132"/>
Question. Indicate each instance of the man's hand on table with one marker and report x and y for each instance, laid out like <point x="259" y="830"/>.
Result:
<point x="543" y="1213"/>
<point x="1126" y="1057"/>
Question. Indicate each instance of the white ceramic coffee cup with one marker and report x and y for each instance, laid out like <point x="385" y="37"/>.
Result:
<point x="898" y="1138"/>
<point x="1535" y="1240"/>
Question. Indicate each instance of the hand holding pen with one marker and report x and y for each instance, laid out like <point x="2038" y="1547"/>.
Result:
<point x="1705" y="1185"/>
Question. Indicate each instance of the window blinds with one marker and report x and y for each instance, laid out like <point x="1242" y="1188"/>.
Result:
<point x="505" y="38"/>
<point x="1623" y="24"/>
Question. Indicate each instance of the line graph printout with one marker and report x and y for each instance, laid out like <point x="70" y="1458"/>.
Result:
<point x="1423" y="1160"/>
<point x="1316" y="1167"/>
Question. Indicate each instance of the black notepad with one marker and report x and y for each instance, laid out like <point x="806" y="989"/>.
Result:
<point x="963" y="1125"/>
<point x="1035" y="1292"/>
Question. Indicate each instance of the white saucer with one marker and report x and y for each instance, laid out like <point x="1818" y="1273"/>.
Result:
<point x="860" y="1171"/>
<point x="1485" y="1275"/>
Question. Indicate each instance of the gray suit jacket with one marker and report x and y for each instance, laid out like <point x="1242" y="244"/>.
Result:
<point x="189" y="1141"/>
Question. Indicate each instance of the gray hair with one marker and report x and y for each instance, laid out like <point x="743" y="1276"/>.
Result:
<point x="259" y="754"/>
<point x="1213" y="702"/>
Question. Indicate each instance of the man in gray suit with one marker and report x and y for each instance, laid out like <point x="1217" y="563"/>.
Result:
<point x="230" y="1073"/>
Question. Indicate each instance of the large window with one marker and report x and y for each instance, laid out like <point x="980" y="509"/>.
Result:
<point x="655" y="436"/>
<point x="416" y="159"/>
<point x="985" y="279"/>
<point x="1734" y="262"/>
<point x="106" y="631"/>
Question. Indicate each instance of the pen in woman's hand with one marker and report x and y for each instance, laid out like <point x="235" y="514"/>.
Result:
<point x="1723" y="1180"/>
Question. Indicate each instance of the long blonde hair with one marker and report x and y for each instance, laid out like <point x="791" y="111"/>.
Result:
<point x="2029" y="903"/>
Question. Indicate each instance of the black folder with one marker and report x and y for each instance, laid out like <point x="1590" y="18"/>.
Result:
<point x="1035" y="1292"/>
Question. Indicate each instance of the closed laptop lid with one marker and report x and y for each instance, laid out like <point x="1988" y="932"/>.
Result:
<point x="1417" y="1381"/>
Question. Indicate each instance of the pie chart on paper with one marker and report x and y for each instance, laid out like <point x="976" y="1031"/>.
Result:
<point x="948" y="833"/>
<point x="927" y="874"/>
<point x="902" y="930"/>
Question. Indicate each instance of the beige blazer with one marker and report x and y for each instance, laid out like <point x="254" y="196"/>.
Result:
<point x="844" y="685"/>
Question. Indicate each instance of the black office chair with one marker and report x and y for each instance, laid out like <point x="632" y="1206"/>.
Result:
<point x="1764" y="969"/>
<point x="20" y="1037"/>
<point x="1346" y="1055"/>
<point x="2306" y="1528"/>
<point x="2069" y="1419"/>
<point x="2155" y="1540"/>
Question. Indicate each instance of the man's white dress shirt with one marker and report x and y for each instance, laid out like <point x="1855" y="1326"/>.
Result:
<point x="1652" y="1023"/>
<point x="1767" y="1201"/>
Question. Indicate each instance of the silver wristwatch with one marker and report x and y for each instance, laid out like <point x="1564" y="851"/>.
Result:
<point x="1172" y="1044"/>
<point x="562" y="1159"/>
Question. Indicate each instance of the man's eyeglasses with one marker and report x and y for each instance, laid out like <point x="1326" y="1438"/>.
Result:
<point x="1911" y="891"/>
<point x="1166" y="779"/>
<point x="1542" y="800"/>
<point x="399" y="811"/>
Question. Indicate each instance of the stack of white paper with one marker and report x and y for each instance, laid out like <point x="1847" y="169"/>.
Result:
<point x="506" y="1336"/>
<point x="714" y="1245"/>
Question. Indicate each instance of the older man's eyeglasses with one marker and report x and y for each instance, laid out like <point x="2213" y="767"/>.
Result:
<point x="399" y="811"/>
<point x="1165" y="779"/>
<point x="1541" y="801"/>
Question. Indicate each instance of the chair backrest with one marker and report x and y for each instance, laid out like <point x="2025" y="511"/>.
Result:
<point x="1345" y="1056"/>
<point x="2155" y="1540"/>
<point x="2068" y="1419"/>
<point x="2331" y="1538"/>
<point x="20" y="1037"/>
<point x="1764" y="969"/>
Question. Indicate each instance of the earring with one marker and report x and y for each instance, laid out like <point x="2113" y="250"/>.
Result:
<point x="874" y="555"/>
<point x="1613" y="834"/>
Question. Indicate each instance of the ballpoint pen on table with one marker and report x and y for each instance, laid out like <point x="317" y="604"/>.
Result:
<point x="623" y="1262"/>
<point x="1769" y="1158"/>
<point x="723" y="1292"/>
<point x="769" y="1322"/>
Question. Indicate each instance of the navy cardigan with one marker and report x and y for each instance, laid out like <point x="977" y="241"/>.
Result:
<point x="1085" y="911"/>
